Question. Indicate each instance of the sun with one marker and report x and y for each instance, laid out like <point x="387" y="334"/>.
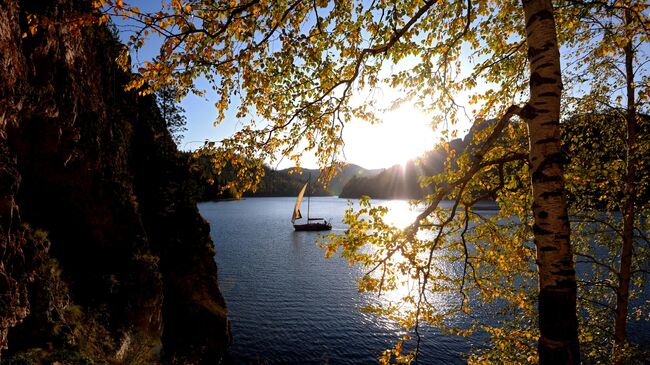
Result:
<point x="404" y="134"/>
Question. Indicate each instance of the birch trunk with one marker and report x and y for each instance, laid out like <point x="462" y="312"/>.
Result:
<point x="558" y="342"/>
<point x="629" y="206"/>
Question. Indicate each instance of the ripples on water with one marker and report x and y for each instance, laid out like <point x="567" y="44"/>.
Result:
<point x="288" y="304"/>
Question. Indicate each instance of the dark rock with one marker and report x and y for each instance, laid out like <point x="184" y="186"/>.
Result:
<point x="96" y="168"/>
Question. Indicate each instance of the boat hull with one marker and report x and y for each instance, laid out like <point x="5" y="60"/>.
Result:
<point x="313" y="227"/>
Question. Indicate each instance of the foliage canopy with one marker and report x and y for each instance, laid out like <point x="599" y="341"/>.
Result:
<point x="298" y="71"/>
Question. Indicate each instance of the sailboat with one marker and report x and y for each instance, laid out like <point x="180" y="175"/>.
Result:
<point x="313" y="224"/>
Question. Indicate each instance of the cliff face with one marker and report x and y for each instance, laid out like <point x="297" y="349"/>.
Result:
<point x="103" y="248"/>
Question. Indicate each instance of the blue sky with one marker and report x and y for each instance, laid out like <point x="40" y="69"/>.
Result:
<point x="403" y="134"/>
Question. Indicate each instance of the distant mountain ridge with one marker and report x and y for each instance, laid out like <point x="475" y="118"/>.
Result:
<point x="287" y="182"/>
<point x="353" y="181"/>
<point x="402" y="181"/>
<point x="335" y="186"/>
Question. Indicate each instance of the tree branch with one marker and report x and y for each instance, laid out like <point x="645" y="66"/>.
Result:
<point x="477" y="164"/>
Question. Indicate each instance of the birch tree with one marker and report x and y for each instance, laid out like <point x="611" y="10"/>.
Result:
<point x="614" y="71"/>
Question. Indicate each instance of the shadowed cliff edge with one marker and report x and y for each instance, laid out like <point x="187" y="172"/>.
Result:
<point x="104" y="255"/>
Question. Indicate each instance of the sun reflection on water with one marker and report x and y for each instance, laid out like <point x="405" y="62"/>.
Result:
<point x="401" y="214"/>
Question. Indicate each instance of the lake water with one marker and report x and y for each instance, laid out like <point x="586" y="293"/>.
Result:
<point x="288" y="304"/>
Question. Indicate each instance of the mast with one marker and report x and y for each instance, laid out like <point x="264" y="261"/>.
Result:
<point x="308" y="195"/>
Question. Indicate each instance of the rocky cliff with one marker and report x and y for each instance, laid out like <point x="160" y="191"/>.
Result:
<point x="103" y="254"/>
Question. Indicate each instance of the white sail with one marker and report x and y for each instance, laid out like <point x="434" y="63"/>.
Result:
<point x="296" y="209"/>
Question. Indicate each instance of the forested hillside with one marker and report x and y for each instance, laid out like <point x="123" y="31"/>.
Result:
<point x="287" y="182"/>
<point x="403" y="181"/>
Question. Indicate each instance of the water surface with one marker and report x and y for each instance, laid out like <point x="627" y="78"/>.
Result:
<point x="289" y="304"/>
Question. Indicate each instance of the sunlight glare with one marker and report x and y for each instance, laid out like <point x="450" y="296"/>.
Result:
<point x="405" y="133"/>
<point x="401" y="213"/>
